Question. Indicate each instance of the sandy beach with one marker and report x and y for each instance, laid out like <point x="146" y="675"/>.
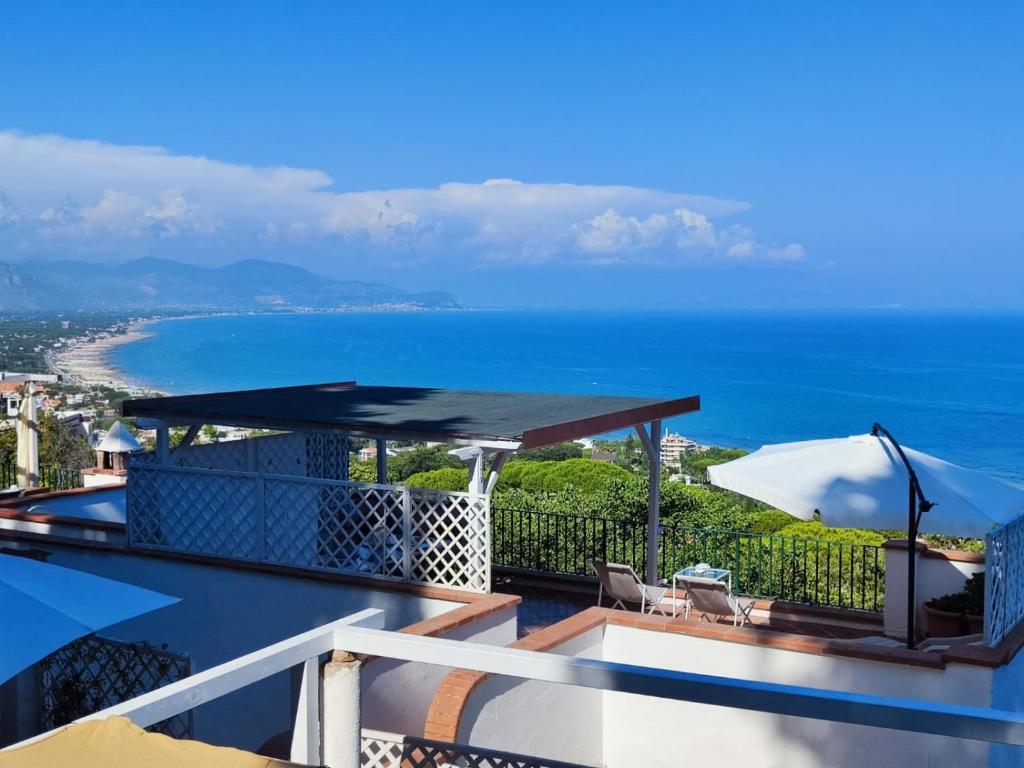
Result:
<point x="88" y="362"/>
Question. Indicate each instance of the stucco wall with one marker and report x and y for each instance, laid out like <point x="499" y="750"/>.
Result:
<point x="936" y="576"/>
<point x="652" y="732"/>
<point x="1008" y="693"/>
<point x="558" y="722"/>
<point x="396" y="695"/>
<point x="225" y="613"/>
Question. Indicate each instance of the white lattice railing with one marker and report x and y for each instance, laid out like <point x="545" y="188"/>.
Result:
<point x="393" y="750"/>
<point x="1004" y="580"/>
<point x="414" y="535"/>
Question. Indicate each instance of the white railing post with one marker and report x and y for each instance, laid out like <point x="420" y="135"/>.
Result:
<point x="989" y="616"/>
<point x="406" y="535"/>
<point x="487" y="542"/>
<point x="342" y="731"/>
<point x="306" y="734"/>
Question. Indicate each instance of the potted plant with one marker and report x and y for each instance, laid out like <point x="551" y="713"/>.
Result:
<point x="959" y="613"/>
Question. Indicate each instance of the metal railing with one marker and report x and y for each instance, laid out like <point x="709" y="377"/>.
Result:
<point x="53" y="477"/>
<point x="815" y="571"/>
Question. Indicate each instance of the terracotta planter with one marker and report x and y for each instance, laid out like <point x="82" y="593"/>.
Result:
<point x="975" y="624"/>
<point x="943" y="623"/>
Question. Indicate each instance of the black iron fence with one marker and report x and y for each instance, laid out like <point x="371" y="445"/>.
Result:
<point x="93" y="673"/>
<point x="816" y="571"/>
<point x="55" y="478"/>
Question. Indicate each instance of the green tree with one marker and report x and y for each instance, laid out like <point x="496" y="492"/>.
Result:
<point x="554" y="476"/>
<point x="61" y="446"/>
<point x="444" y="479"/>
<point x="559" y="452"/>
<point x="421" y="459"/>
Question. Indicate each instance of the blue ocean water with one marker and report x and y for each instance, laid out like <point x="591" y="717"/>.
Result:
<point x="948" y="384"/>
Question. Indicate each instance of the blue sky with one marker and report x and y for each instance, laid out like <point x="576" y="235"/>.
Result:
<point x="682" y="155"/>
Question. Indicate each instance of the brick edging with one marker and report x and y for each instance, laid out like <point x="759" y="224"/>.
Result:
<point x="443" y="623"/>
<point x="453" y="694"/>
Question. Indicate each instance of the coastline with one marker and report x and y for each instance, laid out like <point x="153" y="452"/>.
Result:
<point x="88" y="362"/>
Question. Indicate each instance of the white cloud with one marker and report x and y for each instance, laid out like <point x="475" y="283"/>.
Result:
<point x="86" y="196"/>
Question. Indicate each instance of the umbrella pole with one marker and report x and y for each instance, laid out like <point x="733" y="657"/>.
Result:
<point x="918" y="505"/>
<point x="912" y="568"/>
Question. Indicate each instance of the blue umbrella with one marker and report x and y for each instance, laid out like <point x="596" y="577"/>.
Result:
<point x="44" y="607"/>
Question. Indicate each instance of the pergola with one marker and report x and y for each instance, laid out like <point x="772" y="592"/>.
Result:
<point x="484" y="423"/>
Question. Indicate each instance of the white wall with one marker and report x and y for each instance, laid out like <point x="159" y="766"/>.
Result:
<point x="651" y="732"/>
<point x="558" y="722"/>
<point x="396" y="696"/>
<point x="936" y="577"/>
<point x="225" y="613"/>
<point x="1008" y="693"/>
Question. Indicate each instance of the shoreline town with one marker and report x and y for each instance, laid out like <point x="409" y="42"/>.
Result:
<point x="89" y="362"/>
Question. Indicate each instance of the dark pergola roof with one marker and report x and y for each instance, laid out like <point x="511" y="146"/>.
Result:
<point x="499" y="419"/>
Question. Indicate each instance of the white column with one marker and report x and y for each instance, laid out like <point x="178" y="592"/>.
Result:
<point x="342" y="743"/>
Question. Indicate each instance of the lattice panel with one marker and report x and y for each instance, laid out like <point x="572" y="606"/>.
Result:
<point x="93" y="673"/>
<point x="1004" y="581"/>
<point x="387" y="750"/>
<point x="229" y="456"/>
<point x="327" y="455"/>
<point x="449" y="539"/>
<point x="302" y="454"/>
<point x="347" y="527"/>
<point x="420" y="536"/>
<point x="195" y="511"/>
<point x="380" y="750"/>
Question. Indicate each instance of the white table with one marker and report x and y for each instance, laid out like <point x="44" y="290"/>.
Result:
<point x="719" y="574"/>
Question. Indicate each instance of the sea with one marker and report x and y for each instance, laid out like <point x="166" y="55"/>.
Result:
<point x="950" y="384"/>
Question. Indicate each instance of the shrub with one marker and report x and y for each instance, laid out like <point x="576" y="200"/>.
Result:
<point x="421" y="459"/>
<point x="362" y="471"/>
<point x="970" y="601"/>
<point x="444" y="479"/>
<point x="554" y="476"/>
<point x="696" y="464"/>
<point x="694" y="506"/>
<point x="559" y="452"/>
<point x="769" y="521"/>
<point x="813" y="529"/>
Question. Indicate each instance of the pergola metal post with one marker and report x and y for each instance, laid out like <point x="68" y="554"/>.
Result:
<point x="382" y="461"/>
<point x="652" y="446"/>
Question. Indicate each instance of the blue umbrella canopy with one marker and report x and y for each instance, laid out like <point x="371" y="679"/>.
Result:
<point x="44" y="607"/>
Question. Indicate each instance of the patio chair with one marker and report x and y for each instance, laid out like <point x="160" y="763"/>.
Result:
<point x="622" y="585"/>
<point x="713" y="598"/>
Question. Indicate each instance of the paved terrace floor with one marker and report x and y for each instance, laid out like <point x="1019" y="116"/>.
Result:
<point x="544" y="605"/>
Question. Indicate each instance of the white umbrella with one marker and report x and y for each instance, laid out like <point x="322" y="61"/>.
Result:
<point x="861" y="482"/>
<point x="870" y="481"/>
<point x="28" y="441"/>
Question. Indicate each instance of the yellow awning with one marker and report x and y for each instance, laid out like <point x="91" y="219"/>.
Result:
<point x="117" y="742"/>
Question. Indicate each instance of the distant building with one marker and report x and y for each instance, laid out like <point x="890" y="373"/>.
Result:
<point x="600" y="454"/>
<point x="673" y="446"/>
<point x="369" y="453"/>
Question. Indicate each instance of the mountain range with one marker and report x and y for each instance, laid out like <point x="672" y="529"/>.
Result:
<point x="161" y="284"/>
